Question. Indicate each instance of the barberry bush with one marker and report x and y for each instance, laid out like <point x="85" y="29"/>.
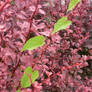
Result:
<point x="45" y="46"/>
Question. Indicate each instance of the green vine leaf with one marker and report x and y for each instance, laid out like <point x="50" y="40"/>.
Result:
<point x="34" y="43"/>
<point x="25" y="81"/>
<point x="72" y="4"/>
<point x="29" y="77"/>
<point x="35" y="75"/>
<point x="61" y="24"/>
<point x="18" y="90"/>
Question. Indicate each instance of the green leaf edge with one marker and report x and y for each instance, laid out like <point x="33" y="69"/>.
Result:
<point x="27" y="72"/>
<point x="18" y="90"/>
<point x="37" y="75"/>
<point x="69" y="9"/>
<point x="43" y="38"/>
<point x="61" y="20"/>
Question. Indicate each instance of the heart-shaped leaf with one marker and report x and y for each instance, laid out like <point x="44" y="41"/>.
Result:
<point x="34" y="43"/>
<point x="72" y="4"/>
<point x="61" y="24"/>
<point x="29" y="77"/>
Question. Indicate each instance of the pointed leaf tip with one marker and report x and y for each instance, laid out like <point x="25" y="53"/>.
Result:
<point x="72" y="4"/>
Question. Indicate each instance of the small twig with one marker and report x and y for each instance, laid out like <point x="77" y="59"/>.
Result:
<point x="31" y="19"/>
<point x="16" y="66"/>
<point x="14" y="69"/>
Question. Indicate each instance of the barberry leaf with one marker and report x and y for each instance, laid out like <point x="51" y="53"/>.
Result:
<point x="34" y="43"/>
<point x="29" y="77"/>
<point x="61" y="24"/>
<point x="72" y="4"/>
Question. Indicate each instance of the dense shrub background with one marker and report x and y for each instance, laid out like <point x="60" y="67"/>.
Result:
<point x="64" y="63"/>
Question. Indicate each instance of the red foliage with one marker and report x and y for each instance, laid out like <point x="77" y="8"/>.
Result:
<point x="63" y="62"/>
